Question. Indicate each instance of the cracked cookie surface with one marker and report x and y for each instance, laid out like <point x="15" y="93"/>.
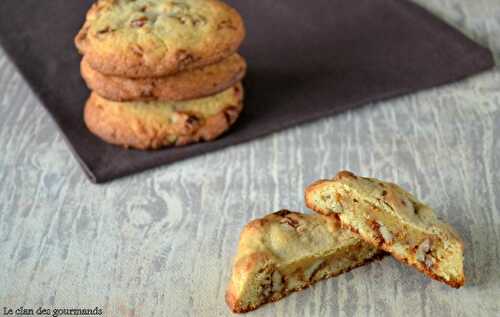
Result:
<point x="153" y="125"/>
<point x="288" y="251"/>
<point x="150" y="38"/>
<point x="187" y="85"/>
<point x="393" y="220"/>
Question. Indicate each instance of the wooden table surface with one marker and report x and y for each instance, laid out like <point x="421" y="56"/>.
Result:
<point x="161" y="243"/>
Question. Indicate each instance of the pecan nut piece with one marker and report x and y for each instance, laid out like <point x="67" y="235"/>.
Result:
<point x="139" y="22"/>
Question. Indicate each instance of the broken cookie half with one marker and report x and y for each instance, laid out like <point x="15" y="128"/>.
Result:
<point x="287" y="251"/>
<point x="391" y="219"/>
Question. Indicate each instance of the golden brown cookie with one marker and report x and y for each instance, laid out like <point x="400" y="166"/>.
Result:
<point x="288" y="251"/>
<point x="187" y="85"/>
<point x="393" y="220"/>
<point x="151" y="38"/>
<point x="153" y="125"/>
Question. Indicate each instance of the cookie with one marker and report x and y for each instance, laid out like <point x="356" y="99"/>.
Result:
<point x="393" y="220"/>
<point x="153" y="125"/>
<point x="152" y="38"/>
<point x="187" y="85"/>
<point x="288" y="251"/>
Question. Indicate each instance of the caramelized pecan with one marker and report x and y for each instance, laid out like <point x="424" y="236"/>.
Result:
<point x="137" y="49"/>
<point x="226" y="24"/>
<point x="103" y="31"/>
<point x="184" y="58"/>
<point x="423" y="251"/>
<point x="231" y="114"/>
<point x="139" y="22"/>
<point x="290" y="221"/>
<point x="345" y="174"/>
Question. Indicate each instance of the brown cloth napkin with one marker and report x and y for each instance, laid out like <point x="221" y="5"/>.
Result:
<point x="307" y="60"/>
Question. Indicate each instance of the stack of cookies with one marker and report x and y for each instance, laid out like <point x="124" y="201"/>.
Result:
<point x="162" y="72"/>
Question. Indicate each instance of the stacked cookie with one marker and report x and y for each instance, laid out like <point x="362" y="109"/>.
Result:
<point x="162" y="72"/>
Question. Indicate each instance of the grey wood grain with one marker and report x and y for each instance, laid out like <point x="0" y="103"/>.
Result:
<point x="160" y="243"/>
